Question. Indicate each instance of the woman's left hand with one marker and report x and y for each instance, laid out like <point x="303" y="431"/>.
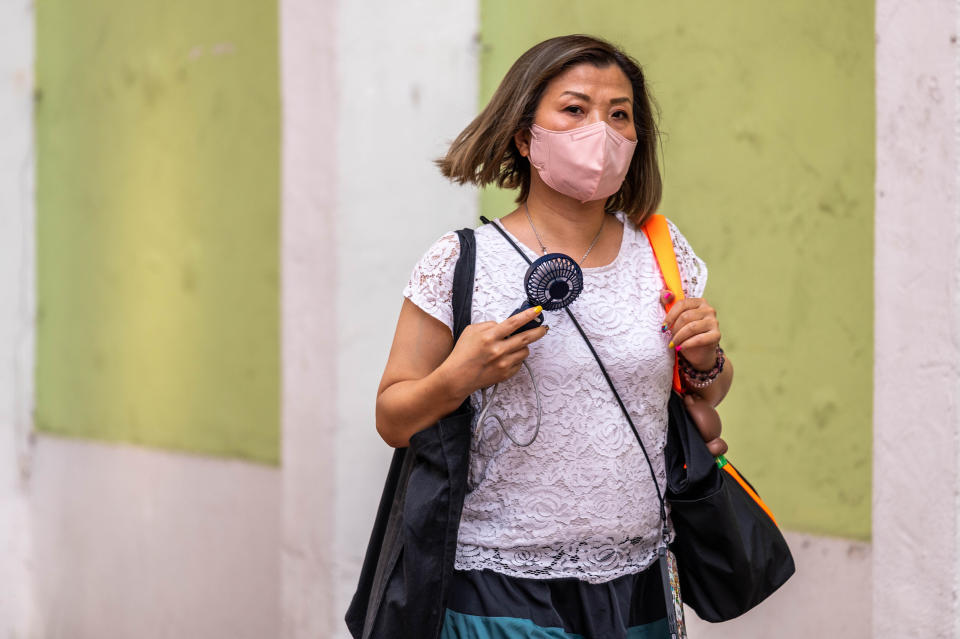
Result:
<point x="707" y="419"/>
<point x="694" y="329"/>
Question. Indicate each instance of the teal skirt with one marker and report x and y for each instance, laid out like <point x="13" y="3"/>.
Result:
<point x="486" y="605"/>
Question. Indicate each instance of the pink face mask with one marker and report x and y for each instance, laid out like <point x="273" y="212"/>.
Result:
<point x="587" y="163"/>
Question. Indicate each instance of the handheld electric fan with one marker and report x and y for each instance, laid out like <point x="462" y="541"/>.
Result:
<point x="553" y="281"/>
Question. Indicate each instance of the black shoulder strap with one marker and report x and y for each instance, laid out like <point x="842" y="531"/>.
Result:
<point x="463" y="282"/>
<point x="507" y="238"/>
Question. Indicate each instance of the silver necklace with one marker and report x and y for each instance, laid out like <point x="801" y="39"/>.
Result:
<point x="526" y="209"/>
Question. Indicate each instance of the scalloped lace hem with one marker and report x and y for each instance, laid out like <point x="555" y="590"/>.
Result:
<point x="589" y="562"/>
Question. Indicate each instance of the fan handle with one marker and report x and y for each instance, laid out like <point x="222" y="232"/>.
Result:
<point x="534" y="323"/>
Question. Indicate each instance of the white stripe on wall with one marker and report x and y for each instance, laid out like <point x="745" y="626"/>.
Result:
<point x="372" y="92"/>
<point x="407" y="77"/>
<point x="308" y="52"/>
<point x="18" y="607"/>
<point x="955" y="391"/>
<point x="917" y="321"/>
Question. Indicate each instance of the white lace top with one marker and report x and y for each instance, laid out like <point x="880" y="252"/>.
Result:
<point x="579" y="501"/>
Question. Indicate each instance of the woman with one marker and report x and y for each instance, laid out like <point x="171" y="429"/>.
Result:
<point x="557" y="538"/>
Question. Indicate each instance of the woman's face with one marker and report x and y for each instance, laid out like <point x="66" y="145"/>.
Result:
<point x="584" y="95"/>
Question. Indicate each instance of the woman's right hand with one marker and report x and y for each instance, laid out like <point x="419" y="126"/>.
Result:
<point x="427" y="376"/>
<point x="487" y="353"/>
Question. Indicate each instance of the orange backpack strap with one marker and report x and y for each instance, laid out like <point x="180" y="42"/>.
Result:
<point x="658" y="234"/>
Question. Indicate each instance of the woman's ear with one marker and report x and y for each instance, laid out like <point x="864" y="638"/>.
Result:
<point x="522" y="139"/>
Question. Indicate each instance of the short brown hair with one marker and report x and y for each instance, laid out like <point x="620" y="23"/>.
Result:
<point x="485" y="152"/>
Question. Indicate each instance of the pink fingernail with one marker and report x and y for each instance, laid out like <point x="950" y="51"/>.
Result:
<point x="677" y="348"/>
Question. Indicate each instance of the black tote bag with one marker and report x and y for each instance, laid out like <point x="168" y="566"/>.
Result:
<point x="401" y="593"/>
<point x="730" y="552"/>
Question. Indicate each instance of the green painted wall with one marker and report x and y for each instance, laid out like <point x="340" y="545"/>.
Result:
<point x="768" y="115"/>
<point x="158" y="219"/>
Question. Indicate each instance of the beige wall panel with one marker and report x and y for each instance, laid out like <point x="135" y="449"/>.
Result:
<point x="828" y="597"/>
<point x="139" y="543"/>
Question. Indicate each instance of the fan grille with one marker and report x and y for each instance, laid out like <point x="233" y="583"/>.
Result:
<point x="554" y="281"/>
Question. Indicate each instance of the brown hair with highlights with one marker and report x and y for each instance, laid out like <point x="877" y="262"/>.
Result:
<point x="484" y="152"/>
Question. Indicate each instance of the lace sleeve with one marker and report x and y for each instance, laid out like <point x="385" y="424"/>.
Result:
<point x="431" y="282"/>
<point x="693" y="270"/>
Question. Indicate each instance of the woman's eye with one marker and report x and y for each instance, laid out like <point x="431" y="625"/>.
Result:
<point x="621" y="115"/>
<point x="574" y="109"/>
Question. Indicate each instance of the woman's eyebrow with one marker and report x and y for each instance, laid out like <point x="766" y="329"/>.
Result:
<point x="582" y="96"/>
<point x="586" y="98"/>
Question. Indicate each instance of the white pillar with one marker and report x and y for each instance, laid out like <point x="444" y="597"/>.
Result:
<point x="917" y="321"/>
<point x="309" y="92"/>
<point x="408" y="76"/>
<point x="373" y="91"/>
<point x="18" y="616"/>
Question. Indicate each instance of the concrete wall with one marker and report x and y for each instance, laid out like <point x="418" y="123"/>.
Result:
<point x="18" y="610"/>
<point x="106" y="539"/>
<point x="917" y="349"/>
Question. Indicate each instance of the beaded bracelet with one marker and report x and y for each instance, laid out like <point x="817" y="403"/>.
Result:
<point x="701" y="379"/>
